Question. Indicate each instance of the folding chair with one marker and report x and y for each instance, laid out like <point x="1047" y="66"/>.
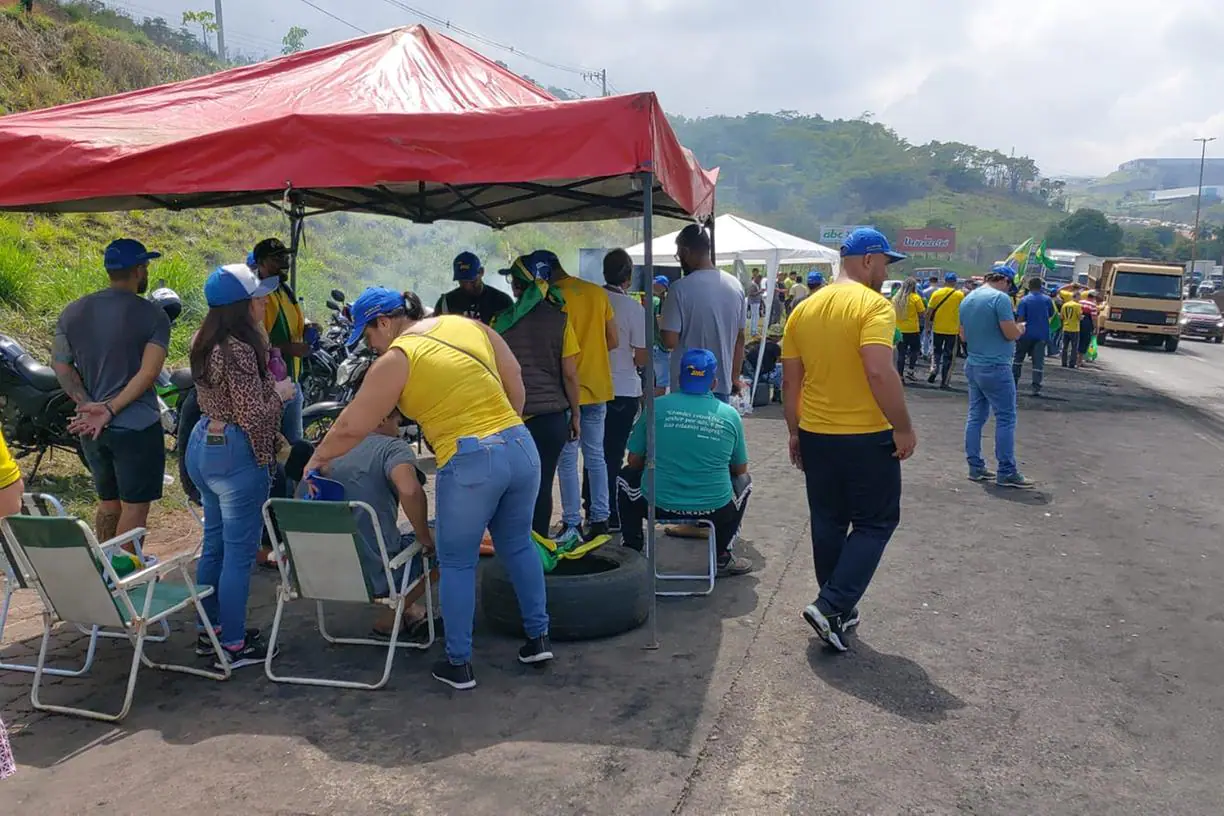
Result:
<point x="59" y="557"/>
<point x="706" y="577"/>
<point x="44" y="504"/>
<point x="319" y="549"/>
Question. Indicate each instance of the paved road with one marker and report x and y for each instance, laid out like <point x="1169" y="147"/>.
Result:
<point x="1194" y="374"/>
<point x="1056" y="652"/>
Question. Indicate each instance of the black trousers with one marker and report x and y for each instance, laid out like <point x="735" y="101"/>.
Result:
<point x="907" y="351"/>
<point x="622" y="411"/>
<point x="633" y="511"/>
<point x="854" y="497"/>
<point x="550" y="433"/>
<point x="944" y="355"/>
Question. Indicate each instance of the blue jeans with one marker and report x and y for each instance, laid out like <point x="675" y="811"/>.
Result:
<point x="991" y="387"/>
<point x="594" y="418"/>
<point x="233" y="488"/>
<point x="489" y="483"/>
<point x="291" y="419"/>
<point x="662" y="367"/>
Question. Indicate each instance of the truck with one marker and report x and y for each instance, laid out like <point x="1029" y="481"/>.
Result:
<point x="1140" y="300"/>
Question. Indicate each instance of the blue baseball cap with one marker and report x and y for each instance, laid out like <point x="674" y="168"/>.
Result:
<point x="251" y="259"/>
<point x="662" y="280"/>
<point x="124" y="253"/>
<point x="234" y="283"/>
<point x="815" y="278"/>
<point x="541" y="264"/>
<point x="950" y="277"/>
<point x="867" y="241"/>
<point x="371" y="304"/>
<point x="698" y="368"/>
<point x="467" y="266"/>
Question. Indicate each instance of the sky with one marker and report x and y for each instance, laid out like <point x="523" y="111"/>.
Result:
<point x="1080" y="86"/>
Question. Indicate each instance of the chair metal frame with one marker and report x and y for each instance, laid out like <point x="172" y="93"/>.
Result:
<point x="707" y="577"/>
<point x="38" y="504"/>
<point x="133" y="618"/>
<point x="289" y="589"/>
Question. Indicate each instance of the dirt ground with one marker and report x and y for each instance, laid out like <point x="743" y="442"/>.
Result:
<point x="1048" y="652"/>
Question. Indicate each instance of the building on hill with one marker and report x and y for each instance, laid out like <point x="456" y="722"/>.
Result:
<point x="1210" y="192"/>
<point x="1170" y="164"/>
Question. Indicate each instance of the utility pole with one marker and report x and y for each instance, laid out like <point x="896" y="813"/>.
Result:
<point x="220" y="34"/>
<point x="603" y="76"/>
<point x="1198" y="206"/>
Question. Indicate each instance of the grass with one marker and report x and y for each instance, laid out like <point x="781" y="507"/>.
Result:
<point x="998" y="222"/>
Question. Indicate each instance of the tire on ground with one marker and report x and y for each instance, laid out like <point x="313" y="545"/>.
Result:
<point x="604" y="593"/>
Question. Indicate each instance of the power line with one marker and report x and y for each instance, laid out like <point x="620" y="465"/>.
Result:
<point x="334" y="17"/>
<point x="447" y="24"/>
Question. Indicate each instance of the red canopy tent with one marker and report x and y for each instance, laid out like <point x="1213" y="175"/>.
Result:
<point x="406" y="123"/>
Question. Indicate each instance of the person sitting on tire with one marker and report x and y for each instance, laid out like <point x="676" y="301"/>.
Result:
<point x="381" y="471"/>
<point x="701" y="462"/>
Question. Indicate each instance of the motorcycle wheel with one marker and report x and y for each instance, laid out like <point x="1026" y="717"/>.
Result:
<point x="316" y="427"/>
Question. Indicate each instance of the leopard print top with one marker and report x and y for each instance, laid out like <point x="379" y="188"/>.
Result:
<point x="236" y="394"/>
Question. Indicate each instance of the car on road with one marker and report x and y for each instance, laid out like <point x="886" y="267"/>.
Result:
<point x="1202" y="318"/>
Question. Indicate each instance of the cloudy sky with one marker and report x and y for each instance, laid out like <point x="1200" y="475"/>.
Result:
<point x="1080" y="85"/>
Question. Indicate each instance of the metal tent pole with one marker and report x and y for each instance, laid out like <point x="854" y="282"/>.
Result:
<point x="297" y="224"/>
<point x="648" y="413"/>
<point x="713" y="249"/>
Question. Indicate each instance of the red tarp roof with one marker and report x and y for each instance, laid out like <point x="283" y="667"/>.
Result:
<point x="407" y="123"/>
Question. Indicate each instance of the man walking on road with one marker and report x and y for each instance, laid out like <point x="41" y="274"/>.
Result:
<point x="943" y="313"/>
<point x="109" y="348"/>
<point x="1034" y="311"/>
<point x="705" y="309"/>
<point x="849" y="428"/>
<point x="989" y="327"/>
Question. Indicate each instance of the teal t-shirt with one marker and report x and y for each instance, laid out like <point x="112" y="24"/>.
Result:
<point x="697" y="440"/>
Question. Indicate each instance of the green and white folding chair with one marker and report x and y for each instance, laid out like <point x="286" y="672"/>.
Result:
<point x="319" y="549"/>
<point x="59" y="557"/>
<point x="44" y="504"/>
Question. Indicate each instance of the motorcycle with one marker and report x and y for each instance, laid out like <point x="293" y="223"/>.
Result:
<point x="318" y="417"/>
<point x="321" y="368"/>
<point x="34" y="410"/>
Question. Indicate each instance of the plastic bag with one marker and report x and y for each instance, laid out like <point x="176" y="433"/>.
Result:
<point x="1091" y="354"/>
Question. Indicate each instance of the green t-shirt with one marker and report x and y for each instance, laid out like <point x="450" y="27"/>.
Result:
<point x="697" y="440"/>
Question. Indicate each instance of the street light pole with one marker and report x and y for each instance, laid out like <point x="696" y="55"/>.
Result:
<point x="1198" y="206"/>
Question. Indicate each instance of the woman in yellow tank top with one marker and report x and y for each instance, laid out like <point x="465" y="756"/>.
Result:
<point x="459" y="380"/>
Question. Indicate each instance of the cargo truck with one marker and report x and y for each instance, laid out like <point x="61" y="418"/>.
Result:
<point x="1140" y="300"/>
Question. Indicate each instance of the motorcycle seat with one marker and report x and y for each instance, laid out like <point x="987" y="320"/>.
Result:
<point x="40" y="376"/>
<point x="181" y="379"/>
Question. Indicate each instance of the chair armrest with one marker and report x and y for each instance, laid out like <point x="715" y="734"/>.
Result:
<point x="405" y="555"/>
<point x="156" y="571"/>
<point x="128" y="537"/>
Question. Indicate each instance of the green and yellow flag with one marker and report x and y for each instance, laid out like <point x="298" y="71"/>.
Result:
<point x="1018" y="260"/>
<point x="1044" y="259"/>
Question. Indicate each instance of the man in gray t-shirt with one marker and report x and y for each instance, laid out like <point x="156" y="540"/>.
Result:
<point x="381" y="471"/>
<point x="109" y="348"/>
<point x="705" y="309"/>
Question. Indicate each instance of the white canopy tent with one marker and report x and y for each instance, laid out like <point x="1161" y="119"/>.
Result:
<point x="740" y="241"/>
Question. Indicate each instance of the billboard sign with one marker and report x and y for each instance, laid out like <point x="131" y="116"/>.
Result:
<point x="932" y="241"/>
<point x="832" y="235"/>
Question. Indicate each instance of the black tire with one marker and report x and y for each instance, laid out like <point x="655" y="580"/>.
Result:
<point x="604" y="593"/>
<point x="1170" y="344"/>
<point x="1219" y="338"/>
<point x="317" y="420"/>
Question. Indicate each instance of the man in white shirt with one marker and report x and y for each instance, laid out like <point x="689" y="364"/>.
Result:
<point x="632" y="354"/>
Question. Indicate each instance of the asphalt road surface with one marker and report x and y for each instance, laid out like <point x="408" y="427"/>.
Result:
<point x="1050" y="652"/>
<point x="1194" y="374"/>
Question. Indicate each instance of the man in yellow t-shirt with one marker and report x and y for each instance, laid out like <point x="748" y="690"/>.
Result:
<point x="849" y="427"/>
<point x="1070" y="313"/>
<point x="285" y="324"/>
<point x="943" y="310"/>
<point x="590" y="313"/>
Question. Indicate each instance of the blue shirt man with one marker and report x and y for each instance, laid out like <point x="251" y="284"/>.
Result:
<point x="1034" y="311"/>
<point x="989" y="328"/>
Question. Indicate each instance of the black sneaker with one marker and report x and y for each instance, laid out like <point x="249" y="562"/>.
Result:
<point x="457" y="677"/>
<point x="536" y="650"/>
<point x="204" y="647"/>
<point x="931" y="378"/>
<point x="252" y="653"/>
<point x="595" y="529"/>
<point x="829" y="626"/>
<point x="851" y="619"/>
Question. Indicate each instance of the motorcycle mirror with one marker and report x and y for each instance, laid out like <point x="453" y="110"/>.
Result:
<point x="337" y="295"/>
<point x="332" y="305"/>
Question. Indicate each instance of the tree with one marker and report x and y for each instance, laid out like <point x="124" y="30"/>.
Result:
<point x="1087" y="231"/>
<point x="294" y="41"/>
<point x="206" y="20"/>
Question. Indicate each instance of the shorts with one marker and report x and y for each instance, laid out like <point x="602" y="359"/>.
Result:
<point x="127" y="466"/>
